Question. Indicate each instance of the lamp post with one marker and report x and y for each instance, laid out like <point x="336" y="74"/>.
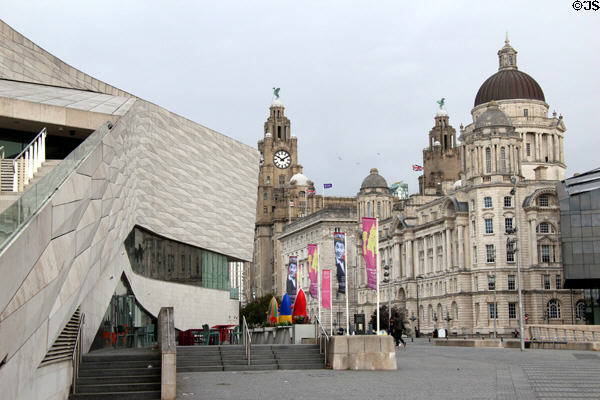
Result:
<point x="418" y="317"/>
<point x="386" y="279"/>
<point x="515" y="241"/>
<point x="448" y="319"/>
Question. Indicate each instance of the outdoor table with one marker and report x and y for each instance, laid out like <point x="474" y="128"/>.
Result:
<point x="223" y="331"/>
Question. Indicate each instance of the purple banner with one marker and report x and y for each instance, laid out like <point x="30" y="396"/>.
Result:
<point x="313" y="270"/>
<point x="369" y="247"/>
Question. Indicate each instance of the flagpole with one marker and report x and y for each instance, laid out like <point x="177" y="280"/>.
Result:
<point x="377" y="266"/>
<point x="347" y="286"/>
<point x="330" y="304"/>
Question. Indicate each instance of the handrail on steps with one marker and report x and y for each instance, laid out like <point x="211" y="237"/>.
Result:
<point x="76" y="356"/>
<point x="319" y="336"/>
<point x="27" y="162"/>
<point x="247" y="338"/>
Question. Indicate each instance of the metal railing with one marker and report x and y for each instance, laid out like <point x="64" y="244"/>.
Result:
<point x="247" y="338"/>
<point x="28" y="161"/>
<point x="22" y="210"/>
<point x="76" y="356"/>
<point x="319" y="336"/>
<point x="564" y="333"/>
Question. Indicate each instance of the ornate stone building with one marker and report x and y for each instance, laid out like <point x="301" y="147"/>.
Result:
<point x="450" y="263"/>
<point x="284" y="195"/>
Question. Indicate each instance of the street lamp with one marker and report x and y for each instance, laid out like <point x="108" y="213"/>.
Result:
<point x="386" y="279"/>
<point x="418" y="317"/>
<point x="448" y="318"/>
<point x="514" y="241"/>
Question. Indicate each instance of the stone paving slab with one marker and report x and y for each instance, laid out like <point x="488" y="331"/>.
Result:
<point x="424" y="372"/>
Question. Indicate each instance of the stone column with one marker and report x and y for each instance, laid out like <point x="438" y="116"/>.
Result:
<point x="533" y="240"/>
<point x="448" y="263"/>
<point x="409" y="258"/>
<point x="561" y="150"/>
<point x="397" y="261"/>
<point x="461" y="253"/>
<point x="434" y="261"/>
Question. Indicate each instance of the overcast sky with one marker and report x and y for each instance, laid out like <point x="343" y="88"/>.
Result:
<point x="359" y="79"/>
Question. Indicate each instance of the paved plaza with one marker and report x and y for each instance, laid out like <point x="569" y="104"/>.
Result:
<point x="424" y="371"/>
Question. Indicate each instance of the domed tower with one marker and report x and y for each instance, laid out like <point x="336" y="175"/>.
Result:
<point x="374" y="198"/>
<point x="521" y="98"/>
<point x="441" y="160"/>
<point x="491" y="149"/>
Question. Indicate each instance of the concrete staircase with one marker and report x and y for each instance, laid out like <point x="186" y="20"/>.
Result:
<point x="6" y="175"/>
<point x="233" y="358"/>
<point x="7" y="196"/>
<point x="64" y="345"/>
<point x="119" y="374"/>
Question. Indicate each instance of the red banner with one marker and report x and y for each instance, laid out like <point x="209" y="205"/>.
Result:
<point x="313" y="268"/>
<point x="326" y="289"/>
<point x="369" y="247"/>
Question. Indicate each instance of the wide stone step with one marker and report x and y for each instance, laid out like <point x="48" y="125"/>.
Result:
<point x="147" y="395"/>
<point x="119" y="387"/>
<point x="97" y="380"/>
<point x="262" y="367"/>
<point x="118" y="371"/>
<point x="150" y="356"/>
<point x="120" y="364"/>
<point x="312" y="365"/>
<point x="199" y="368"/>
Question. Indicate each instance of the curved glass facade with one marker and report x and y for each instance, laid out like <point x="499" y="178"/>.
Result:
<point x="160" y="258"/>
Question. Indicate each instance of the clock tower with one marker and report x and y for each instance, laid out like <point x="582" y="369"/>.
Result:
<point x="278" y="200"/>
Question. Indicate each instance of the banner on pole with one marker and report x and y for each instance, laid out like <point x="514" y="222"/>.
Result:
<point x="369" y="247"/>
<point x="339" y="245"/>
<point x="326" y="289"/>
<point x="313" y="268"/>
<point x="292" y="278"/>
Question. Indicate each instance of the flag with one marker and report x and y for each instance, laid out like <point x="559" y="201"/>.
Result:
<point x="369" y="247"/>
<point x="416" y="167"/>
<point x="310" y="191"/>
<point x="313" y="270"/>
<point x="327" y="185"/>
<point x="292" y="204"/>
<point x="326" y="289"/>
<point x="339" y="246"/>
<point x="292" y="278"/>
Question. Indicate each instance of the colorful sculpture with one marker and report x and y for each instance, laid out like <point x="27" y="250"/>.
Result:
<point x="272" y="312"/>
<point x="285" y="311"/>
<point x="300" y="305"/>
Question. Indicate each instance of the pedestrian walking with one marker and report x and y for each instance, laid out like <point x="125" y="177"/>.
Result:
<point x="398" y="330"/>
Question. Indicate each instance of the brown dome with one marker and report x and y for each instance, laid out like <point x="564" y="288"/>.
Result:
<point x="509" y="84"/>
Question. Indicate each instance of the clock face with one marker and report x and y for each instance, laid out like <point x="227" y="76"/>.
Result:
<point x="282" y="159"/>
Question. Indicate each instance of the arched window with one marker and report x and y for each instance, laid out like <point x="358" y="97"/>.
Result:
<point x="422" y="315"/>
<point x="473" y="160"/>
<point x="440" y="313"/>
<point x="543" y="201"/>
<point x="580" y="310"/>
<point x="430" y="312"/>
<point x="268" y="180"/>
<point x="503" y="159"/>
<point x="553" y="309"/>
<point x="379" y="209"/>
<point x="488" y="160"/>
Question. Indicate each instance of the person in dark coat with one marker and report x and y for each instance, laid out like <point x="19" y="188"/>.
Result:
<point x="398" y="330"/>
